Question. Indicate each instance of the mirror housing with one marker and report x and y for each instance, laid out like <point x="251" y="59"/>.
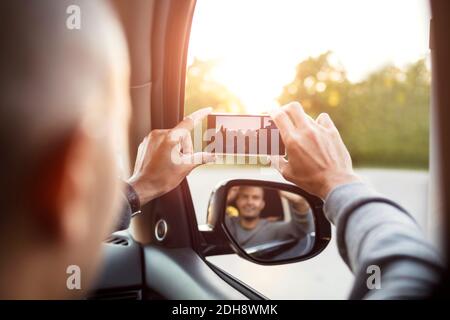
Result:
<point x="219" y="239"/>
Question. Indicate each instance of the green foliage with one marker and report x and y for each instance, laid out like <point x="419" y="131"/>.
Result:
<point x="383" y="120"/>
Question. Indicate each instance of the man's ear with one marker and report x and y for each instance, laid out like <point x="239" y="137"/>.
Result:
<point x="263" y="205"/>
<point x="60" y="192"/>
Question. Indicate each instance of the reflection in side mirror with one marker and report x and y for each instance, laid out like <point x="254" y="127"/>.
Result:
<point x="269" y="222"/>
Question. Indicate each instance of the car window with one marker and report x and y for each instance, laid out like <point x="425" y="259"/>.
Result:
<point x="366" y="63"/>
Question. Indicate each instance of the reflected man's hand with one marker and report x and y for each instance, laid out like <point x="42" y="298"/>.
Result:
<point x="299" y="203"/>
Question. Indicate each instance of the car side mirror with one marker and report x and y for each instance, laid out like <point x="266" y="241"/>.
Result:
<point x="268" y="222"/>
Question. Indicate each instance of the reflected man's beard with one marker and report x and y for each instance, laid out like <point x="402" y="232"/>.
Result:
<point x="249" y="218"/>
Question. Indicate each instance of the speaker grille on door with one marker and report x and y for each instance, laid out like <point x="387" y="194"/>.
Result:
<point x="118" y="241"/>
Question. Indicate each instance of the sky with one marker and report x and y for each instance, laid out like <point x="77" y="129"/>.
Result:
<point x="258" y="43"/>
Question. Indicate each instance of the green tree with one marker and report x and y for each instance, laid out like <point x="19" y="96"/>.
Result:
<point x="384" y="119"/>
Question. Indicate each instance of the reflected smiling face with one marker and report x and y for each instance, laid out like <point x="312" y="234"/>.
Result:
<point x="250" y="202"/>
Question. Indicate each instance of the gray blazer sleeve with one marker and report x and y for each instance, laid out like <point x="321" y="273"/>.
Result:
<point x="375" y="231"/>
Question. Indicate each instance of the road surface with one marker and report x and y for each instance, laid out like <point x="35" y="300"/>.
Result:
<point x="324" y="276"/>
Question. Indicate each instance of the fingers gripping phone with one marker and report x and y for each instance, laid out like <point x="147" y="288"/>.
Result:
<point x="243" y="135"/>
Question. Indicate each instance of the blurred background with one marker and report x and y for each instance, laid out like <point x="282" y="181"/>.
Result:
<point x="366" y="63"/>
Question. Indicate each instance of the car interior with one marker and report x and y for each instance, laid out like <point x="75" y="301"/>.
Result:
<point x="136" y="265"/>
<point x="163" y="254"/>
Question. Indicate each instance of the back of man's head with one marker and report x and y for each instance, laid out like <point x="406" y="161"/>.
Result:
<point x="63" y="73"/>
<point x="49" y="75"/>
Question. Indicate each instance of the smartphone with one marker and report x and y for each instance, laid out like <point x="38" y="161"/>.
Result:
<point x="243" y="135"/>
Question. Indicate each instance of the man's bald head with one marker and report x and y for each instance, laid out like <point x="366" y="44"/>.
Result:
<point x="64" y="101"/>
<point x="51" y="77"/>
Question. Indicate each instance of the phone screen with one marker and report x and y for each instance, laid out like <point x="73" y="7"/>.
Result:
<point x="243" y="135"/>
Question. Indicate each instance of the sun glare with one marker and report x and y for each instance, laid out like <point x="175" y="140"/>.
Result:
<point x="257" y="44"/>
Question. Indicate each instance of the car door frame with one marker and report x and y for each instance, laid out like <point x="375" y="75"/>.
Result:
<point x="440" y="57"/>
<point x="181" y="251"/>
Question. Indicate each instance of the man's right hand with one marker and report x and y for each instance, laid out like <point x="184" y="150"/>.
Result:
<point x="318" y="160"/>
<point x="166" y="157"/>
